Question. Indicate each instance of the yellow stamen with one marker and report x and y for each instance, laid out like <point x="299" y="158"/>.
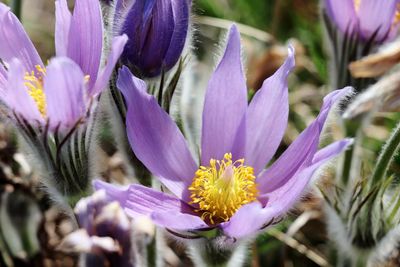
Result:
<point x="34" y="83"/>
<point x="397" y="15"/>
<point x="357" y="4"/>
<point x="222" y="188"/>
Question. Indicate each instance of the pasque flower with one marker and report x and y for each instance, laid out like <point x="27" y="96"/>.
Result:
<point x="104" y="234"/>
<point x="61" y="92"/>
<point x="230" y="189"/>
<point x="157" y="31"/>
<point x="365" y="18"/>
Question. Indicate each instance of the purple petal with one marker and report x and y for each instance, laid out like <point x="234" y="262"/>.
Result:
<point x="3" y="77"/>
<point x="86" y="37"/>
<point x="16" y="95"/>
<point x="333" y="149"/>
<point x="63" y="23"/>
<point x="154" y="137"/>
<point x="14" y="42"/>
<point x="178" y="221"/>
<point x="282" y="199"/>
<point x="117" y="47"/>
<point x="301" y="152"/>
<point x="180" y="9"/>
<point x="225" y="104"/>
<point x="383" y="14"/>
<point x="158" y="34"/>
<point x="65" y="90"/>
<point x="150" y="26"/>
<point x="343" y="14"/>
<point x="136" y="25"/>
<point x="267" y="117"/>
<point x="165" y="210"/>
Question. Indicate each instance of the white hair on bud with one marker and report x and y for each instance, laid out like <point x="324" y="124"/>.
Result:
<point x="387" y="249"/>
<point x="338" y="232"/>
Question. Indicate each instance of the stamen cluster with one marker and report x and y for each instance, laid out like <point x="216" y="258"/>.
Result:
<point x="222" y="188"/>
<point x="34" y="83"/>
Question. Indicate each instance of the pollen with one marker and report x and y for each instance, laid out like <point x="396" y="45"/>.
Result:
<point x="220" y="189"/>
<point x="34" y="83"/>
<point x="397" y="15"/>
<point x="357" y="4"/>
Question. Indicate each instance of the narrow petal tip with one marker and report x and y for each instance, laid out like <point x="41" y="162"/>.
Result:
<point x="291" y="56"/>
<point x="233" y="35"/>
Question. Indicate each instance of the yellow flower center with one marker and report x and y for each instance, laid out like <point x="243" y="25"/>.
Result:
<point x="357" y="4"/>
<point x="34" y="83"/>
<point x="222" y="188"/>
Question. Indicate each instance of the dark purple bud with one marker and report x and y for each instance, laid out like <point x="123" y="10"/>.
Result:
<point x="157" y="31"/>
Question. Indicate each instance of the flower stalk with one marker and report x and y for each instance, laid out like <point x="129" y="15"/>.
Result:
<point x="217" y="251"/>
<point x="16" y="7"/>
<point x="386" y="157"/>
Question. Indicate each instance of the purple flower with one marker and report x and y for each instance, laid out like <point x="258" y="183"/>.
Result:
<point x="62" y="91"/>
<point x="366" y="18"/>
<point x="105" y="233"/>
<point x="157" y="31"/>
<point x="230" y="190"/>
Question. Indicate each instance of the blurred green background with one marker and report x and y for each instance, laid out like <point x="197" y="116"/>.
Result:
<point x="283" y="19"/>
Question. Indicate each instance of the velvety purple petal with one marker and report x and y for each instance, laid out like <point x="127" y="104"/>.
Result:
<point x="376" y="15"/>
<point x="3" y="77"/>
<point x="165" y="210"/>
<point x="14" y="42"/>
<point x="225" y="104"/>
<point x="16" y="96"/>
<point x="180" y="9"/>
<point x="282" y="199"/>
<point x="117" y="47"/>
<point x="178" y="221"/>
<point x="63" y="23"/>
<point x="65" y="90"/>
<point x="301" y="152"/>
<point x="136" y="25"/>
<point x="154" y="137"/>
<point x="158" y="36"/>
<point x="343" y="14"/>
<point x="114" y="192"/>
<point x="267" y="117"/>
<point x="86" y="37"/>
<point x="333" y="149"/>
<point x="141" y="200"/>
<point x="157" y="32"/>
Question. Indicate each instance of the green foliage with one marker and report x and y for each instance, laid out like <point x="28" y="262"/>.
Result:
<point x="284" y="19"/>
<point x="253" y="13"/>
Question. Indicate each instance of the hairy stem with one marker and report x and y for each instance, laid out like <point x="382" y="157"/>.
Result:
<point x="386" y="156"/>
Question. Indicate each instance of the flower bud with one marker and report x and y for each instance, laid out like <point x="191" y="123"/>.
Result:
<point x="105" y="235"/>
<point x="157" y="31"/>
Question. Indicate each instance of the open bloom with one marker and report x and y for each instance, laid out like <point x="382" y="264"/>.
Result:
<point x="61" y="92"/>
<point x="157" y="31"/>
<point x="230" y="189"/>
<point x="366" y="18"/>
